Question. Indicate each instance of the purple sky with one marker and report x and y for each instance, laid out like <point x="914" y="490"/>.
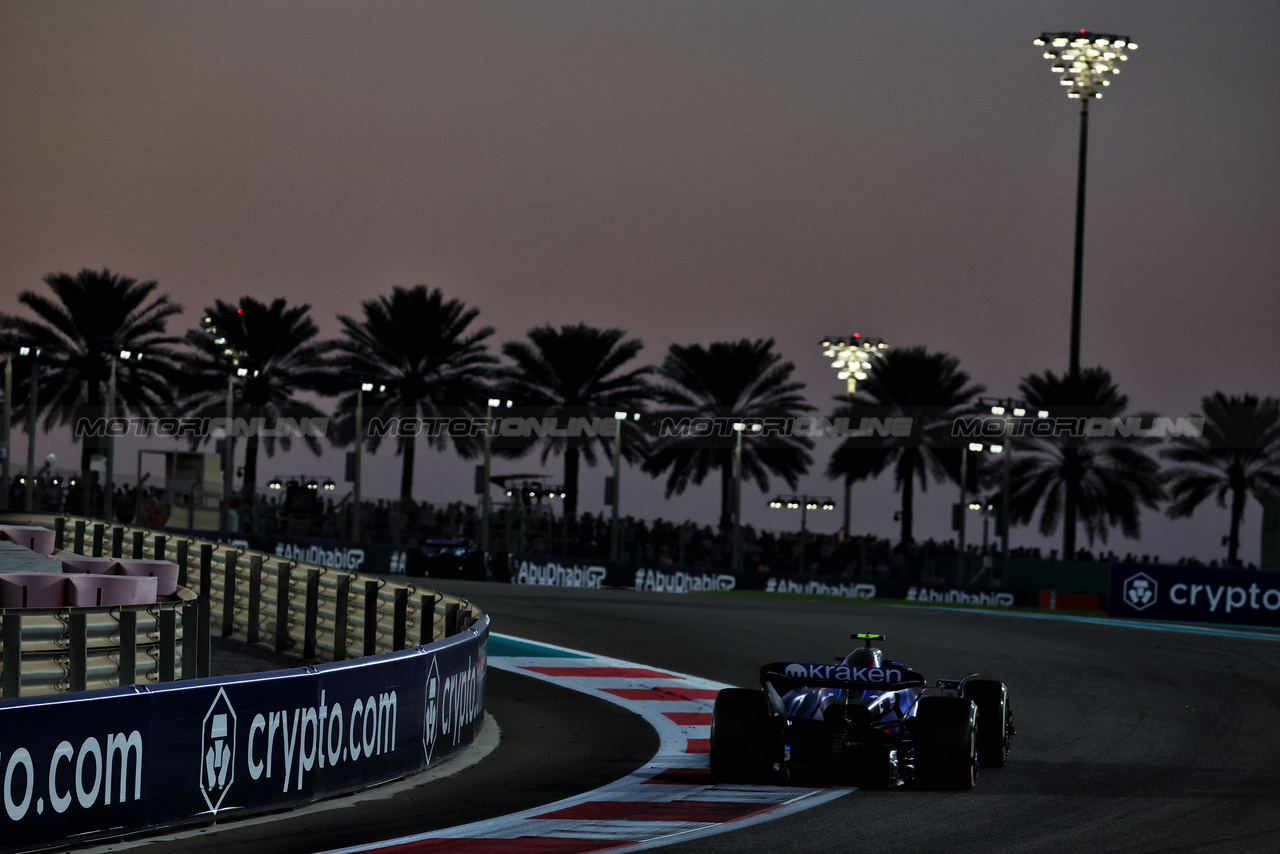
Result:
<point x="690" y="171"/>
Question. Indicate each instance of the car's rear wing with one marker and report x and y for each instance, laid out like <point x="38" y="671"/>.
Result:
<point x="786" y="676"/>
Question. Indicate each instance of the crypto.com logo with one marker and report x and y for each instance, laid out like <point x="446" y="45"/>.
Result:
<point x="218" y="751"/>
<point x="1140" y="591"/>
<point x="432" y="712"/>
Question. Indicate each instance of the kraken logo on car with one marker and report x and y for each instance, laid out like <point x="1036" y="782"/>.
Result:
<point x="218" y="751"/>
<point x="797" y="671"/>
<point x="1140" y="591"/>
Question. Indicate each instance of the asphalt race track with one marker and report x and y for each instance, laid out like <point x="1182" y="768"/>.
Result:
<point x="1128" y="739"/>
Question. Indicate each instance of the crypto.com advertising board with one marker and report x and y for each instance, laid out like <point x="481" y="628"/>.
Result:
<point x="84" y="765"/>
<point x="1194" y="594"/>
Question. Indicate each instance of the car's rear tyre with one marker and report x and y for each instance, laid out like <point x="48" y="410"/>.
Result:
<point x="992" y="699"/>
<point x="945" y="731"/>
<point x="743" y="744"/>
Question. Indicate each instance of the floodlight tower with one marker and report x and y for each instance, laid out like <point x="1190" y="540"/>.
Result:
<point x="1086" y="62"/>
<point x="852" y="356"/>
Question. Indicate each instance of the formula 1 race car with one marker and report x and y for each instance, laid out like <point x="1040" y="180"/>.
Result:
<point x="867" y="720"/>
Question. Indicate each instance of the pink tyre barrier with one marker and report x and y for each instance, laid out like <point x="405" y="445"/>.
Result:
<point x="96" y="591"/>
<point x="165" y="572"/>
<point x="33" y="590"/>
<point x="39" y="540"/>
<point x="86" y="565"/>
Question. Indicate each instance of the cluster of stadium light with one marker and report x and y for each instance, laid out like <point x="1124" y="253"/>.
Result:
<point x="220" y="339"/>
<point x="312" y="484"/>
<point x="852" y="356"/>
<point x="1005" y="408"/>
<point x="56" y="481"/>
<point x="1085" y="60"/>
<point x="551" y="492"/>
<point x="795" y="502"/>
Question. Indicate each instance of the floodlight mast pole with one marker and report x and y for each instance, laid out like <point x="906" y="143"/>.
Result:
<point x="8" y="431"/>
<point x="228" y="458"/>
<point x="33" y="406"/>
<point x="1086" y="62"/>
<point x="357" y="462"/>
<point x="108" y="486"/>
<point x="735" y="556"/>
<point x="964" y="504"/>
<point x="1077" y="268"/>
<point x="615" y="536"/>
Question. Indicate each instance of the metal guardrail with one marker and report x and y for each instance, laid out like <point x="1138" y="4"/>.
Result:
<point x="52" y="650"/>
<point x="313" y="612"/>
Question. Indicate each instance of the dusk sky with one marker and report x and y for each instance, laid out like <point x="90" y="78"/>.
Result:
<point x="689" y="171"/>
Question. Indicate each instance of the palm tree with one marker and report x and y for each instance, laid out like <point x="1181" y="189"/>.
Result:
<point x="269" y="353"/>
<point x="576" y="371"/>
<point x="1101" y="482"/>
<point x="93" y="317"/>
<point x="726" y="382"/>
<point x="932" y="391"/>
<point x="417" y="344"/>
<point x="1237" y="454"/>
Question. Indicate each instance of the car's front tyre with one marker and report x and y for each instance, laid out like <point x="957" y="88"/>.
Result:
<point x="994" y="718"/>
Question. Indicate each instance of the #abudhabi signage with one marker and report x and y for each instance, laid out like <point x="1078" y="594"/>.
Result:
<point x="560" y="572"/>
<point x="1194" y="594"/>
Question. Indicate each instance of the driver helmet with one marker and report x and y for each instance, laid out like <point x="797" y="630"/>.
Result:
<point x="865" y="656"/>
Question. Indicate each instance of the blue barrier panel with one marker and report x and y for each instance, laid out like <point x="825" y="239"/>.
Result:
<point x="107" y="762"/>
<point x="1194" y="594"/>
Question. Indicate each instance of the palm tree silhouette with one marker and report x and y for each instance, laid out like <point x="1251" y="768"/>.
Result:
<point x="931" y="390"/>
<point x="578" y="371"/>
<point x="417" y="344"/>
<point x="274" y="346"/>
<point x="1236" y="455"/>
<point x="728" y="381"/>
<point x="1099" y="482"/>
<point x="93" y="316"/>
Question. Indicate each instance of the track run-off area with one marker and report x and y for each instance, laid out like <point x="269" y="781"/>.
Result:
<point x="1131" y="738"/>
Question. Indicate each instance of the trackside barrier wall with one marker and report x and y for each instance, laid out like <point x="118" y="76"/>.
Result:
<point x="121" y="760"/>
<point x="1195" y="594"/>
<point x="314" y="612"/>
<point x="108" y="762"/>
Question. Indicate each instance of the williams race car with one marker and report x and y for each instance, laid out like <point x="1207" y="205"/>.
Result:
<point x="867" y="720"/>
